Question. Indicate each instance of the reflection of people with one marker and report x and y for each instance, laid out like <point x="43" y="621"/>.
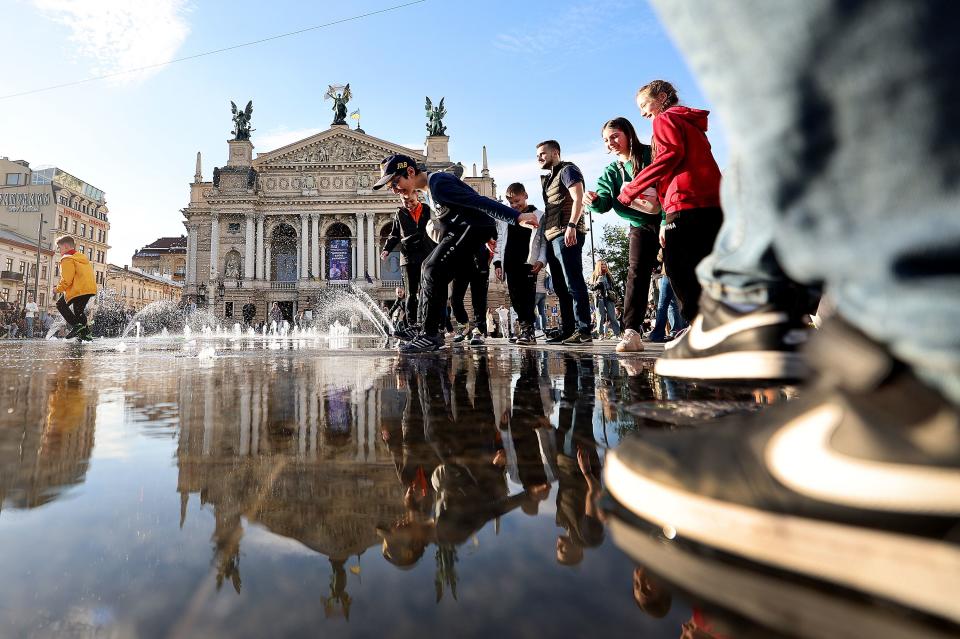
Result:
<point x="77" y="287"/>
<point x="578" y="464"/>
<point x="651" y="596"/>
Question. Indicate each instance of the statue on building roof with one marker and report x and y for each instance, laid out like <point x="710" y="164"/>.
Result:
<point x="241" y="121"/>
<point x="340" y="94"/>
<point x="435" y="117"/>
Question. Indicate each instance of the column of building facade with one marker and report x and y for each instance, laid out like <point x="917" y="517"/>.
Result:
<point x="304" y="246"/>
<point x="315" y="234"/>
<point x="361" y="260"/>
<point x="214" y="245"/>
<point x="248" y="249"/>
<point x="371" y="245"/>
<point x="258" y="259"/>
<point x="191" y="253"/>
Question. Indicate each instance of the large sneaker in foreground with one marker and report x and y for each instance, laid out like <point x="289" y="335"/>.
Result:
<point x="724" y="344"/>
<point x="857" y="484"/>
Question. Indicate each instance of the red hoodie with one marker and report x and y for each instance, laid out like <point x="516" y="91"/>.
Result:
<point x="683" y="169"/>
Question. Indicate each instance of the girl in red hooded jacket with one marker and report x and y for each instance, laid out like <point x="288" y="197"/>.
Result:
<point x="687" y="181"/>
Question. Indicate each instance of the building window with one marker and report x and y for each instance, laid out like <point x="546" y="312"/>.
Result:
<point x="9" y="264"/>
<point x="43" y="272"/>
<point x="74" y="227"/>
<point x="83" y="230"/>
<point x="228" y="309"/>
<point x="19" y="296"/>
<point x="43" y="299"/>
<point x="233" y="227"/>
<point x="15" y="179"/>
<point x="5" y="294"/>
<point x="23" y="266"/>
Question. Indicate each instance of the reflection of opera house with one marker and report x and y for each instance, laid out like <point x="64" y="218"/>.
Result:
<point x="294" y="220"/>
<point x="293" y="451"/>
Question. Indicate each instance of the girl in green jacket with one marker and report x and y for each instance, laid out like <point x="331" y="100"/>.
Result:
<point x="632" y="155"/>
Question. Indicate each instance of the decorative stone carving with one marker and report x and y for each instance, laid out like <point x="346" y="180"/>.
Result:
<point x="338" y="182"/>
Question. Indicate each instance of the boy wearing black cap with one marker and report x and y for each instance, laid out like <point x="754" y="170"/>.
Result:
<point x="466" y="219"/>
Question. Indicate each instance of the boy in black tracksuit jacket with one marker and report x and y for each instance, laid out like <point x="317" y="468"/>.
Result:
<point x="409" y="232"/>
<point x="466" y="221"/>
<point x="521" y="254"/>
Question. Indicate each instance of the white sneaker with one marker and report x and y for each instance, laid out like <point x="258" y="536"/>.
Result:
<point x="631" y="342"/>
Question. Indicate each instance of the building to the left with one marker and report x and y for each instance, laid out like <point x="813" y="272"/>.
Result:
<point x="37" y="206"/>
<point x="136" y="288"/>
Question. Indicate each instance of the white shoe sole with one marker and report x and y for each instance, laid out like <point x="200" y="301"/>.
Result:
<point x="915" y="572"/>
<point x="779" y="603"/>
<point x="746" y="365"/>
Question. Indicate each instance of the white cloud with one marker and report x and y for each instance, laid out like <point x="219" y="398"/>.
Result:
<point x="273" y="139"/>
<point x="119" y="35"/>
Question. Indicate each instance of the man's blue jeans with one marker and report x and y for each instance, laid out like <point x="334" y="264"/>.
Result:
<point x="566" y="267"/>
<point x="843" y="160"/>
<point x="29" y="321"/>
<point x="667" y="309"/>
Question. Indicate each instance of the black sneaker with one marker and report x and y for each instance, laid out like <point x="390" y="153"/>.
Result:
<point x="579" y="337"/>
<point x="422" y="343"/>
<point x="75" y="331"/>
<point x="557" y="339"/>
<point x="461" y="335"/>
<point x="723" y="344"/>
<point x="855" y="485"/>
<point x="407" y="333"/>
<point x="85" y="335"/>
<point x="526" y="339"/>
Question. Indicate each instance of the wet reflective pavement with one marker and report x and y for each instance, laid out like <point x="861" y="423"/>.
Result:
<point x="258" y="487"/>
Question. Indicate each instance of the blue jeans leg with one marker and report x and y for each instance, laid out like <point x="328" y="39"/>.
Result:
<point x="571" y="262"/>
<point x="849" y="191"/>
<point x="612" y="317"/>
<point x="541" y="304"/>
<point x="665" y="303"/>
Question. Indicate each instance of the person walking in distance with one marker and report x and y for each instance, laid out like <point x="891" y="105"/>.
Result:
<point x="564" y="231"/>
<point x="76" y="287"/>
<point x="31" y="309"/>
<point x="606" y="292"/>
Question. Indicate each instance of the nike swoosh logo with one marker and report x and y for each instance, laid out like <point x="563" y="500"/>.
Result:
<point x="801" y="458"/>
<point x="702" y="340"/>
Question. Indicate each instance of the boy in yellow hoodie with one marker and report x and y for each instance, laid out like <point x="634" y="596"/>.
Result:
<point x="77" y="285"/>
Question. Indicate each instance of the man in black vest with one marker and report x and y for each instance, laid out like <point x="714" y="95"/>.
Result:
<point x="409" y="232"/>
<point x="565" y="233"/>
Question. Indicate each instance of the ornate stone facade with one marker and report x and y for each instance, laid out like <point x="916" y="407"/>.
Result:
<point x="282" y="225"/>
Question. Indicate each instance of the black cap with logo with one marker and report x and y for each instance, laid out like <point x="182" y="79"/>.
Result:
<point x="390" y="166"/>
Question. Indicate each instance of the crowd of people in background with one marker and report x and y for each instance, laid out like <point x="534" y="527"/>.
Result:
<point x="667" y="192"/>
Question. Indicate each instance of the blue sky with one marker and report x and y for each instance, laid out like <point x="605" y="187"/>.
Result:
<point x="513" y="73"/>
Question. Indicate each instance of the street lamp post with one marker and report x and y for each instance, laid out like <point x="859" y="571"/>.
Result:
<point x="36" y="270"/>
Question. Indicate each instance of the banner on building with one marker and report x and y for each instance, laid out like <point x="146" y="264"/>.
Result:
<point x="339" y="266"/>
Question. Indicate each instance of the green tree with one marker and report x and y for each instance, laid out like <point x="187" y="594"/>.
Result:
<point x="614" y="249"/>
